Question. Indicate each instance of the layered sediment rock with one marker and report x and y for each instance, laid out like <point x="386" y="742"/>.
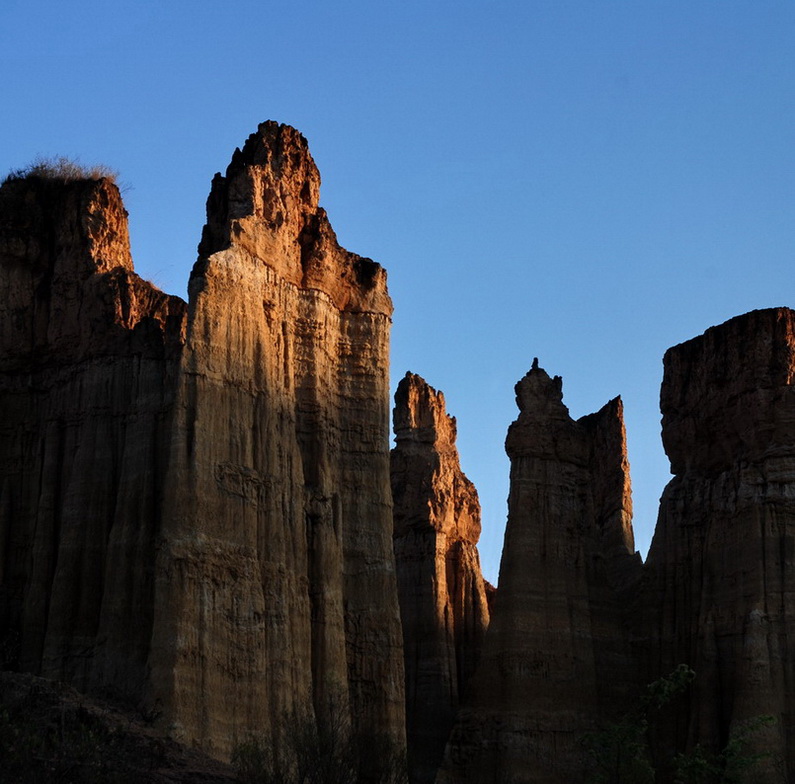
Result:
<point x="195" y="505"/>
<point x="556" y="656"/>
<point x="442" y="592"/>
<point x="721" y="568"/>
<point x="276" y="585"/>
<point x="89" y="354"/>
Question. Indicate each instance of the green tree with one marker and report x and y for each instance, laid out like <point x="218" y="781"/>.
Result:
<point x="620" y="751"/>
<point x="729" y="766"/>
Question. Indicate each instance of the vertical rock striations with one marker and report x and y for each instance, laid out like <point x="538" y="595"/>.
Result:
<point x="721" y="569"/>
<point x="276" y="593"/>
<point x="556" y="656"/>
<point x="441" y="589"/>
<point x="89" y="354"/>
<point x="195" y="506"/>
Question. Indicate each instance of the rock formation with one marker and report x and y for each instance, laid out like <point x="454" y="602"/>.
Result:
<point x="442" y="593"/>
<point x="195" y="507"/>
<point x="196" y="513"/>
<point x="276" y="584"/>
<point x="556" y="656"/>
<point x="89" y="354"/>
<point x="721" y="569"/>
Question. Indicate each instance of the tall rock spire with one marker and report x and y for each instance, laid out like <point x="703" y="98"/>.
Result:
<point x="556" y="655"/>
<point x="442" y="593"/>
<point x="277" y="580"/>
<point x="195" y="507"/>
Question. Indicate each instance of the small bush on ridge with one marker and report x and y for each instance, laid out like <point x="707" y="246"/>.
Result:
<point x="63" y="169"/>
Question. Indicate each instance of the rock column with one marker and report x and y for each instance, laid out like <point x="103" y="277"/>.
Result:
<point x="556" y="657"/>
<point x="441" y="588"/>
<point x="721" y="568"/>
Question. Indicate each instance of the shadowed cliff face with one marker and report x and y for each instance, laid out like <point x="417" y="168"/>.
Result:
<point x="195" y="508"/>
<point x="88" y="361"/>
<point x="720" y="571"/>
<point x="556" y="657"/>
<point x="441" y="589"/>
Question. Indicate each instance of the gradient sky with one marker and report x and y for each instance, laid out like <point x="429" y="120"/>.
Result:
<point x="588" y="182"/>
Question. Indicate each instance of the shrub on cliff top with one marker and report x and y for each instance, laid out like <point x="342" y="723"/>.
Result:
<point x="63" y="169"/>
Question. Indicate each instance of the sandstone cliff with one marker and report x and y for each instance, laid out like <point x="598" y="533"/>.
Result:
<point x="89" y="354"/>
<point x="276" y="590"/>
<point x="195" y="508"/>
<point x="556" y="656"/>
<point x="442" y="593"/>
<point x="720" y="572"/>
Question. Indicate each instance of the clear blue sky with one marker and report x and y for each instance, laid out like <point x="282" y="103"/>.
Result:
<point x="588" y="182"/>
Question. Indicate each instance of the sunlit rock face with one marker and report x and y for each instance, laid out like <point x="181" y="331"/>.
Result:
<point x="89" y="354"/>
<point x="195" y="506"/>
<point x="721" y="568"/>
<point x="275" y="583"/>
<point x="556" y="656"/>
<point x="441" y="588"/>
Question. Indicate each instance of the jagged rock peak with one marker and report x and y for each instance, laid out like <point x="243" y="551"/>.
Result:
<point x="285" y="151"/>
<point x="429" y="487"/>
<point x="557" y="653"/>
<point x="538" y="393"/>
<point x="267" y="207"/>
<point x="420" y="413"/>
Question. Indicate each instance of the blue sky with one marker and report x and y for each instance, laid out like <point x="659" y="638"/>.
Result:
<point x="589" y="182"/>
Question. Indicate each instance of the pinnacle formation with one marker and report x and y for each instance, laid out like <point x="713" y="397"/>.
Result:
<point x="443" y="596"/>
<point x="557" y="656"/>
<point x="195" y="508"/>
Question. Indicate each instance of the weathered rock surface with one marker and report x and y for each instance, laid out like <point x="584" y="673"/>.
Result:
<point x="89" y="354"/>
<point x="276" y="590"/>
<point x="195" y="506"/>
<point x="443" y="600"/>
<point x="556" y="656"/>
<point x="721" y="569"/>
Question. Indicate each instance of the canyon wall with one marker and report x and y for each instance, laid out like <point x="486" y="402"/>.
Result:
<point x="443" y="596"/>
<point x="89" y="356"/>
<point x="196" y="512"/>
<point x="721" y="569"/>
<point x="557" y="655"/>
<point x="276" y="591"/>
<point x="195" y="504"/>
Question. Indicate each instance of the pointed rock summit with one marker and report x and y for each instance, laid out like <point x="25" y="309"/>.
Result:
<point x="266" y="207"/>
<point x="556" y="657"/>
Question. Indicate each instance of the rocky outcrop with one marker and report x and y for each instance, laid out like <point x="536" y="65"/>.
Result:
<point x="721" y="569"/>
<point x="443" y="600"/>
<point x="276" y="591"/>
<point x="557" y="655"/>
<point x="195" y="507"/>
<point x="89" y="354"/>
